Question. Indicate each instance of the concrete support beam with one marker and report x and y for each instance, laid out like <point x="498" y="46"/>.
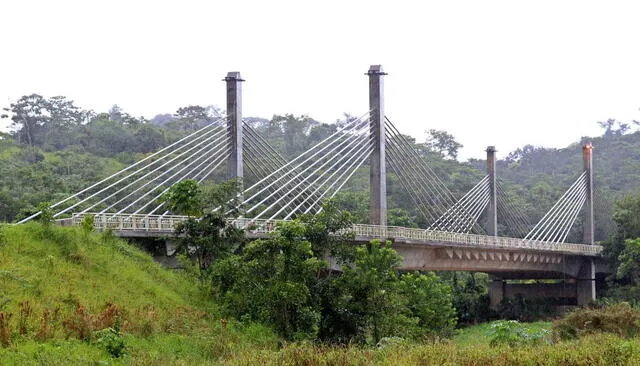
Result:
<point x="587" y="155"/>
<point x="235" y="167"/>
<point x="496" y="292"/>
<point x="378" y="174"/>
<point x="586" y="283"/>
<point x="492" y="207"/>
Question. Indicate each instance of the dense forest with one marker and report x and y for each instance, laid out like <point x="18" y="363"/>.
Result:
<point x="56" y="148"/>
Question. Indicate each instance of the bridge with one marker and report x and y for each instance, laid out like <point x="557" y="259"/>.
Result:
<point x="463" y="232"/>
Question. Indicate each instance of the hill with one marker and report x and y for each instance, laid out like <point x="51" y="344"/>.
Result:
<point x="68" y="296"/>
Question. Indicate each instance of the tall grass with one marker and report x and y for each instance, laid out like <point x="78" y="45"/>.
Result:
<point x="60" y="285"/>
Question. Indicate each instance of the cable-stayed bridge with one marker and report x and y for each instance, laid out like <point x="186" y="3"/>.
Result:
<point x="462" y="232"/>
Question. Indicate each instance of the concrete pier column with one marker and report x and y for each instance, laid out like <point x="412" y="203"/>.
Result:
<point x="235" y="167"/>
<point x="378" y="172"/>
<point x="586" y="283"/>
<point x="496" y="292"/>
<point x="492" y="207"/>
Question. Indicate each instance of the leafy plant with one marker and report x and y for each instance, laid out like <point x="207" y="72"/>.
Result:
<point x="46" y="213"/>
<point x="88" y="223"/>
<point x="112" y="341"/>
<point x="513" y="333"/>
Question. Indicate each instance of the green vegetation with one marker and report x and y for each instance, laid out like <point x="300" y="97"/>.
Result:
<point x="69" y="296"/>
<point x="619" y="319"/>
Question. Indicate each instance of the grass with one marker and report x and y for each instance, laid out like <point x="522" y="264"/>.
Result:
<point x="60" y="287"/>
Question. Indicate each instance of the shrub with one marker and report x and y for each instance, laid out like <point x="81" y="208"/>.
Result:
<point x="87" y="223"/>
<point x="619" y="319"/>
<point x="80" y="324"/>
<point x="512" y="333"/>
<point x="112" y="341"/>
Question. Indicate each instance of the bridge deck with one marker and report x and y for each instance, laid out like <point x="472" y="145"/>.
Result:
<point x="163" y="225"/>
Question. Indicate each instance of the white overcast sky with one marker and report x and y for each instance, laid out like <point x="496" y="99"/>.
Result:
<point x="502" y="73"/>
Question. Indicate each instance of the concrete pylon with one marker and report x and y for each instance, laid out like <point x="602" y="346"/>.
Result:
<point x="586" y="281"/>
<point x="587" y="157"/>
<point x="235" y="168"/>
<point x="492" y="207"/>
<point x="378" y="172"/>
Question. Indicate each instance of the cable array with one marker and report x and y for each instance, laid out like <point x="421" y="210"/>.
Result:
<point x="138" y="187"/>
<point x="510" y="214"/>
<point x="320" y="172"/>
<point x="461" y="217"/>
<point x="557" y="222"/>
<point x="261" y="159"/>
<point x="432" y="197"/>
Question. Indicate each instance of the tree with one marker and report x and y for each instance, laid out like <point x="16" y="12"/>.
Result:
<point x="430" y="300"/>
<point x="210" y="236"/>
<point x="273" y="282"/>
<point x="368" y="297"/>
<point x="443" y="142"/>
<point x="610" y="130"/>
<point x="329" y="232"/>
<point x="30" y="115"/>
<point x="184" y="198"/>
<point x="193" y="117"/>
<point x="400" y="217"/>
<point x="622" y="250"/>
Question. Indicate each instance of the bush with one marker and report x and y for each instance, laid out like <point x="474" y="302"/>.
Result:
<point x="112" y="341"/>
<point x="512" y="333"/>
<point x="619" y="319"/>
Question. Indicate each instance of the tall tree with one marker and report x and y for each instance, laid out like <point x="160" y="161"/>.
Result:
<point x="30" y="115"/>
<point x="443" y="142"/>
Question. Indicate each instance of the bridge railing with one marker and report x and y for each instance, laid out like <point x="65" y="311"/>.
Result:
<point x="165" y="224"/>
<point x="124" y="222"/>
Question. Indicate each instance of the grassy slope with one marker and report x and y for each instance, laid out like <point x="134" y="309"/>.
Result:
<point x="164" y="315"/>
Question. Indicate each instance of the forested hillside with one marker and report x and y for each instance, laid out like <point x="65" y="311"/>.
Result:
<point x="57" y="148"/>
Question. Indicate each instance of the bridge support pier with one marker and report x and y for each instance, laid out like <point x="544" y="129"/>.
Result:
<point x="586" y="283"/>
<point x="496" y="292"/>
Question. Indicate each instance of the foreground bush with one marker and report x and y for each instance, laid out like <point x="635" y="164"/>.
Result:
<point x="619" y="319"/>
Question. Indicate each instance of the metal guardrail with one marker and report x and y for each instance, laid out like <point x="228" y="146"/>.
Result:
<point x="165" y="224"/>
